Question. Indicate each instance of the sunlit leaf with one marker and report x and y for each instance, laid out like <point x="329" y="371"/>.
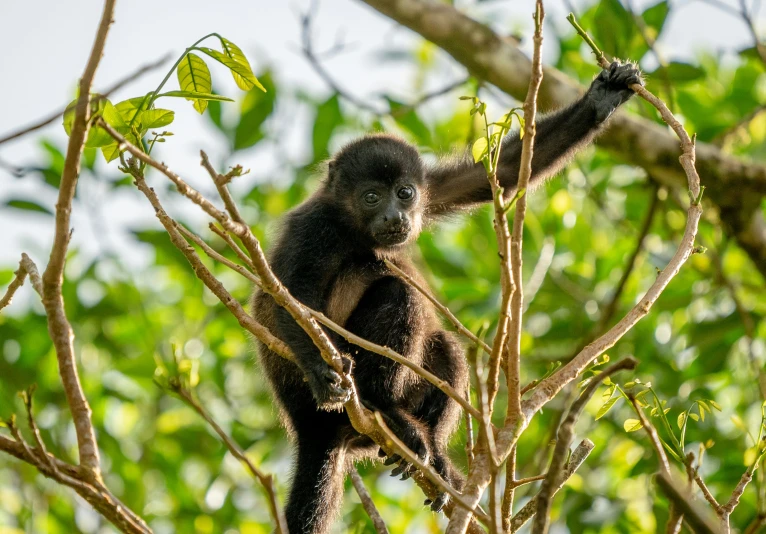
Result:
<point x="156" y="118"/>
<point x="194" y="77"/>
<point x="236" y="54"/>
<point x="631" y="425"/>
<point x="479" y="149"/>
<point x="189" y="95"/>
<point x="246" y="79"/>
<point x="606" y="407"/>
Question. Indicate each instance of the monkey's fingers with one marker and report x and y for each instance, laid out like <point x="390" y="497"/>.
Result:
<point x="392" y="459"/>
<point x="401" y="468"/>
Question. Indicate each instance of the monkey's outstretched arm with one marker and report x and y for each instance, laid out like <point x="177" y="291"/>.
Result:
<point x="460" y="183"/>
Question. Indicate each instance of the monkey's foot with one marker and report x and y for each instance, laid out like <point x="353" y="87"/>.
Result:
<point x="439" y="503"/>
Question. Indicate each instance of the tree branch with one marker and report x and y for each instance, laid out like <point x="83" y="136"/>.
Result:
<point x="736" y="186"/>
<point x="367" y="502"/>
<point x="58" y="325"/>
<point x="267" y="481"/>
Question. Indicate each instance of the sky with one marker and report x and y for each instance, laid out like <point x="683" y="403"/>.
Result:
<point x="44" y="45"/>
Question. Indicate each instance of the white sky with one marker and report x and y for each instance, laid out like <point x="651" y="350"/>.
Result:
<point x="44" y="45"/>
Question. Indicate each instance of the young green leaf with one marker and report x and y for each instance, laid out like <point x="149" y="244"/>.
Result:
<point x="157" y="118"/>
<point x="129" y="108"/>
<point x="681" y="420"/>
<point x="194" y="76"/>
<point x="479" y="149"/>
<point x="246" y="80"/>
<point x="606" y="407"/>
<point x="632" y="425"/>
<point x="235" y="53"/>
<point x="110" y="152"/>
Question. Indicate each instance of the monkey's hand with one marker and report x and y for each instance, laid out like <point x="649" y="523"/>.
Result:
<point x="327" y="384"/>
<point x="611" y="88"/>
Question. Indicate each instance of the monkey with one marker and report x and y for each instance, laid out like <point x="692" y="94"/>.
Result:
<point x="376" y="197"/>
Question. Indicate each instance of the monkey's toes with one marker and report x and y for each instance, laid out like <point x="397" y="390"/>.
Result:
<point x="440" y="502"/>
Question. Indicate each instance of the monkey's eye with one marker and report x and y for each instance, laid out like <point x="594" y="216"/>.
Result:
<point x="371" y="198"/>
<point x="406" y="193"/>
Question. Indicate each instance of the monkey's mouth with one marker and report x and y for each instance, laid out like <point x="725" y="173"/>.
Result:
<point x="393" y="237"/>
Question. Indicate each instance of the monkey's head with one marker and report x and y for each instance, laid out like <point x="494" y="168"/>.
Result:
<point x="379" y="183"/>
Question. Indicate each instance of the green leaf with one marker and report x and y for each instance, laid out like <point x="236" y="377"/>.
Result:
<point x="631" y="425"/>
<point x="128" y="108"/>
<point x="27" y="205"/>
<point x="715" y="405"/>
<point x="479" y="149"/>
<point x="189" y="95"/>
<point x="194" y="76"/>
<point x="235" y="53"/>
<point x="110" y="152"/>
<point x="246" y="79"/>
<point x="606" y="407"/>
<point x="681" y="420"/>
<point x="97" y="137"/>
<point x="694" y="416"/>
<point x="156" y="118"/>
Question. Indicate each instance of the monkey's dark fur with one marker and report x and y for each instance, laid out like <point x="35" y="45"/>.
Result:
<point x="376" y="198"/>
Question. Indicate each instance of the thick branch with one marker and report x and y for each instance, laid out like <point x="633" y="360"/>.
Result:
<point x="58" y="325"/>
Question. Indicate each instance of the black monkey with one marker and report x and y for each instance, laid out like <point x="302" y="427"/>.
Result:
<point x="377" y="196"/>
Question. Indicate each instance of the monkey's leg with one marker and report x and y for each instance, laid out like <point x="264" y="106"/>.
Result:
<point x="316" y="492"/>
<point x="389" y="314"/>
<point x="441" y="414"/>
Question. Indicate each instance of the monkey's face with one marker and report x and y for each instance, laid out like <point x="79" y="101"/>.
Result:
<point x="391" y="212"/>
<point x="379" y="181"/>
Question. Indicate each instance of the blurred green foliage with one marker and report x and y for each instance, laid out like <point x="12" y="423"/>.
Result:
<point x="163" y="461"/>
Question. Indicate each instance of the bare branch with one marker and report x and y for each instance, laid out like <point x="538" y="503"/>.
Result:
<point x="578" y="457"/>
<point x="367" y="502"/>
<point x="57" y="114"/>
<point x="26" y="267"/>
<point x="653" y="436"/>
<point x="95" y="493"/>
<point x="203" y="273"/>
<point x="58" y="325"/>
<point x="564" y="440"/>
<point x="267" y="481"/>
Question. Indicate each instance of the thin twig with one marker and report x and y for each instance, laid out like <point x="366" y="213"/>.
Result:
<point x="267" y="481"/>
<point x="563" y="441"/>
<point x="26" y="268"/>
<point x="367" y="502"/>
<point x="578" y="457"/>
<point x="653" y="436"/>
